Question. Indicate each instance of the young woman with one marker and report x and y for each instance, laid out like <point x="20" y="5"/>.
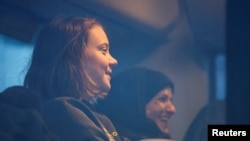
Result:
<point x="71" y="66"/>
<point x="140" y="104"/>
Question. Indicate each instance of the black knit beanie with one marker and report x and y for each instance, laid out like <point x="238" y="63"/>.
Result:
<point x="151" y="83"/>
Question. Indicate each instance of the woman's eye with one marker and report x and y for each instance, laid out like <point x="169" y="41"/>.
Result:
<point x="104" y="51"/>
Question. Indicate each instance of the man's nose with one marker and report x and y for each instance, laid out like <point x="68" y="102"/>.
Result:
<point x="171" y="108"/>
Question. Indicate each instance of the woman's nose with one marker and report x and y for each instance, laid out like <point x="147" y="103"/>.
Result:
<point x="113" y="61"/>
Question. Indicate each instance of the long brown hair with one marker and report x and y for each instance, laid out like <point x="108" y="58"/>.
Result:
<point x="56" y="67"/>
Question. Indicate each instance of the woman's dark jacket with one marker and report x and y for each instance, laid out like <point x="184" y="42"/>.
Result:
<point x="74" y="120"/>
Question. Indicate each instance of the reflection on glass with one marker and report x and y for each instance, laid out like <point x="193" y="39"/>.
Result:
<point x="220" y="77"/>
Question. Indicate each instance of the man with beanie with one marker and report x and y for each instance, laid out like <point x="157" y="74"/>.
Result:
<point x="140" y="103"/>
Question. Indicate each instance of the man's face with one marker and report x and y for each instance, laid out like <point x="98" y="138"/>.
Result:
<point x="160" y="109"/>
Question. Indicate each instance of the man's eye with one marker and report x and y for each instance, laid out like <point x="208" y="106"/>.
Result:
<point x="163" y="99"/>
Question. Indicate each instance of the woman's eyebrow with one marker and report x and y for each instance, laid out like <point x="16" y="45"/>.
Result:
<point x="104" y="44"/>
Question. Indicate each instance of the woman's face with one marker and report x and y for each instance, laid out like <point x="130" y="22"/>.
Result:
<point x="99" y="62"/>
<point x="160" y="109"/>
